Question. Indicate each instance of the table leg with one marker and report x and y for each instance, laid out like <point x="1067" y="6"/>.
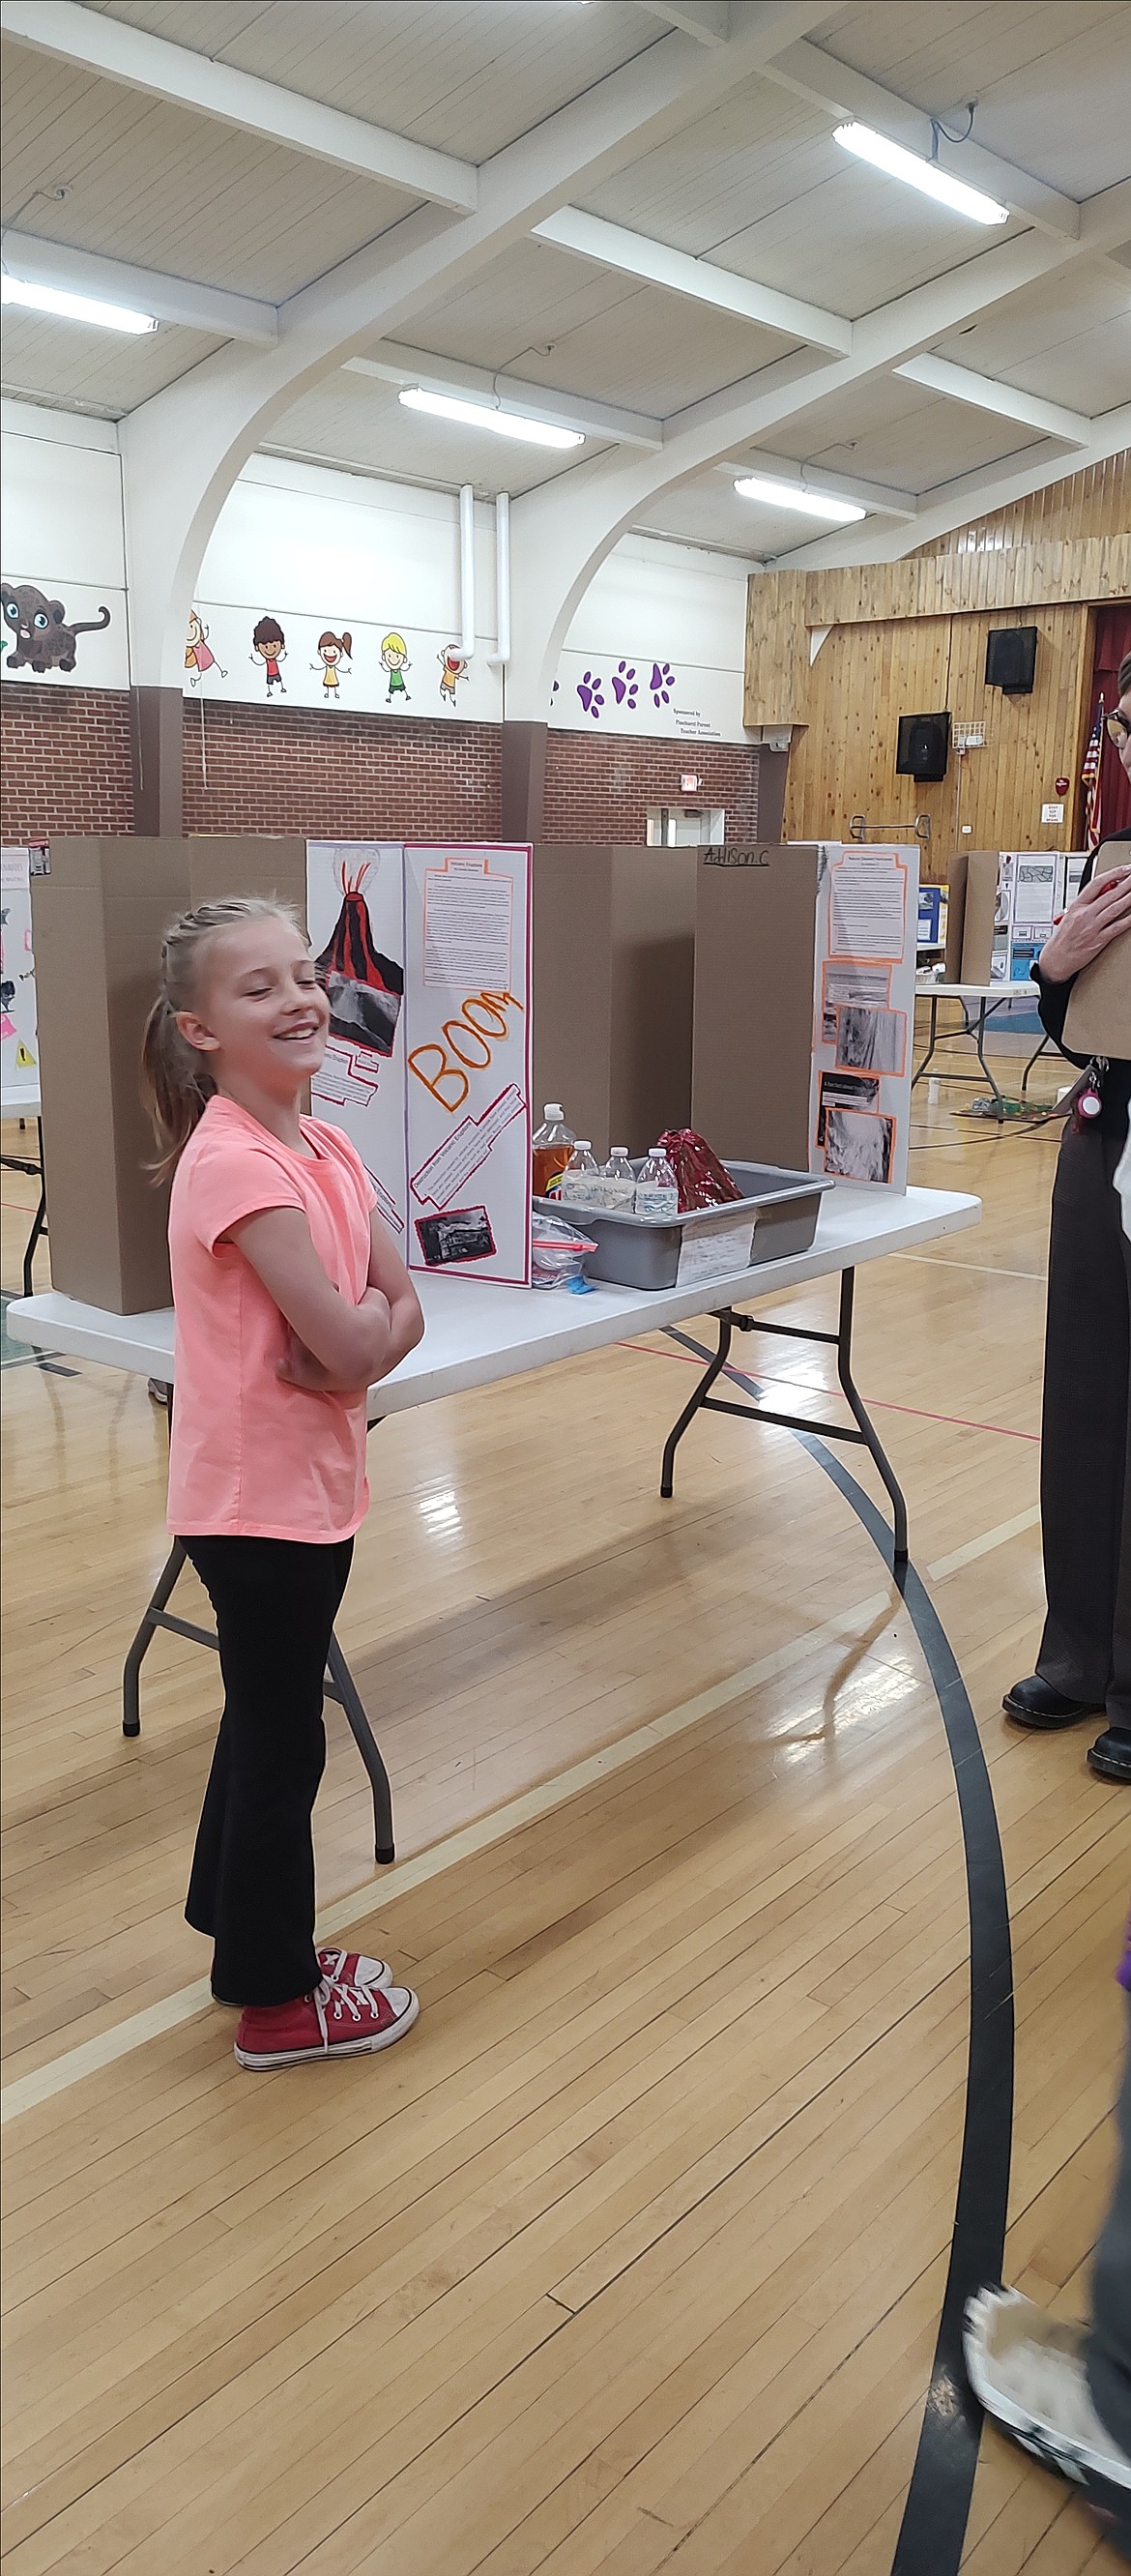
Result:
<point x="862" y="1431"/>
<point x="152" y="1619"/>
<point x="867" y="1427"/>
<point x="1037" y="1053"/>
<point x="39" y="1221"/>
<point x="725" y="1324"/>
<point x="978" y="1035"/>
<point x="917" y="1077"/>
<point x="342" y="1687"/>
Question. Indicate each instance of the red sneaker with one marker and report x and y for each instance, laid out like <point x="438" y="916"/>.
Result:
<point x="335" y="2021"/>
<point x="352" y="1968"/>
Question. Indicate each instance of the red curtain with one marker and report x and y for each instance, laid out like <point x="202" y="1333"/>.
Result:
<point x="1112" y="641"/>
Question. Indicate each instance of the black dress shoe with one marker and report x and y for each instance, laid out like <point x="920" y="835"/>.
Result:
<point x="1110" y="1755"/>
<point x="1036" y="1703"/>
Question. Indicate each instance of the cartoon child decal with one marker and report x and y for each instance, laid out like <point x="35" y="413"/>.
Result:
<point x="199" y="656"/>
<point x="269" y="645"/>
<point x="394" y="655"/>
<point x="452" y="668"/>
<point x="332" y="649"/>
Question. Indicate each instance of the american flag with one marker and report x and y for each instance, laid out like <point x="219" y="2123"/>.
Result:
<point x="1090" y="780"/>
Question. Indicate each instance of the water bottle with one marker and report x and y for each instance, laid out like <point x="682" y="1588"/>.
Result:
<point x="619" y="1181"/>
<point x="657" y="1190"/>
<point x="550" y="1151"/>
<point x="581" y="1180"/>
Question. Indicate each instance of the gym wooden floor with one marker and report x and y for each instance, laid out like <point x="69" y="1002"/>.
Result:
<point x="631" y="2257"/>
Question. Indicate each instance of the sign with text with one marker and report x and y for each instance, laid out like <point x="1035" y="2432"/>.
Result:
<point x="467" y="1055"/>
<point x="425" y="953"/>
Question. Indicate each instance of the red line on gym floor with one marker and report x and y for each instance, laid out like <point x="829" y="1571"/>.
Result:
<point x="880" y="1403"/>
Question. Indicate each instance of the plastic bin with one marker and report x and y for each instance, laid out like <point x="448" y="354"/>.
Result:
<point x="776" y="1216"/>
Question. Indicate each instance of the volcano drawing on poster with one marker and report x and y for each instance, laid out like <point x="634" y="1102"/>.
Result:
<point x="355" y="916"/>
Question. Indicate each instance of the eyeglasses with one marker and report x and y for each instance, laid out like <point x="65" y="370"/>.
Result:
<point x="1118" y="726"/>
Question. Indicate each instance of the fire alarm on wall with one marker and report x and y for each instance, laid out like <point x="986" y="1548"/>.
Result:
<point x="1061" y="785"/>
<point x="689" y="782"/>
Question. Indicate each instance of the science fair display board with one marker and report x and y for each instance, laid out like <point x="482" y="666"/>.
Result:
<point x="19" y="1041"/>
<point x="425" y="948"/>
<point x="863" y="1012"/>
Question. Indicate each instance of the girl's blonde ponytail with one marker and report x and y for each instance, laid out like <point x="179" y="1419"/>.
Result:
<point x="176" y="1085"/>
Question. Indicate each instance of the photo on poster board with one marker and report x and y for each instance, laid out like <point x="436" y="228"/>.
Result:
<point x="355" y="918"/>
<point x="19" y="1039"/>
<point x="866" y="988"/>
<point x="468" y="1058"/>
<point x="859" y="1145"/>
<point x="870" y="1041"/>
<point x="845" y="1091"/>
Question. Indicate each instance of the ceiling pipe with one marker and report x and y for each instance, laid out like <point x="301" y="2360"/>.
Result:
<point x="467" y="570"/>
<point x="501" y="656"/>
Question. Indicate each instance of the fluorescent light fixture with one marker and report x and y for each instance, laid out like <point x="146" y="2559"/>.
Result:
<point x="504" y="424"/>
<point x="74" y="308"/>
<point x="925" y="175"/>
<point x="797" y="496"/>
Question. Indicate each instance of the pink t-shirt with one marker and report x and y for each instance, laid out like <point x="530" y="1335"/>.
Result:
<point x="251" y="1457"/>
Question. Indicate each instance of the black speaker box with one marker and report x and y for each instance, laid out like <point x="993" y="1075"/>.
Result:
<point x="924" y="746"/>
<point x="1011" y="659"/>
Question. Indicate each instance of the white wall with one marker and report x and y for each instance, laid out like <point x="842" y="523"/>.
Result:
<point x="656" y="646"/>
<point x="63" y="532"/>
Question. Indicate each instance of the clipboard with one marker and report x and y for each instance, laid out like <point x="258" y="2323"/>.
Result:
<point x="1098" y="1018"/>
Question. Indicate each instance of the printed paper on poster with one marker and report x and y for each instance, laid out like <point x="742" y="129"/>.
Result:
<point x="867" y="905"/>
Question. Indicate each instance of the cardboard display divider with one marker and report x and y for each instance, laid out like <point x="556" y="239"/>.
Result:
<point x="755" y="932"/>
<point x="98" y="918"/>
<point x="613" y="985"/>
<point x="971" y="905"/>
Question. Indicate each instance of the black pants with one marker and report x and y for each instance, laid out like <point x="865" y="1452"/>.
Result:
<point x="252" y="1884"/>
<point x="1086" y="1431"/>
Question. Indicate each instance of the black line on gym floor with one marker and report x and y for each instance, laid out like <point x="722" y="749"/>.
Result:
<point x="933" y="2529"/>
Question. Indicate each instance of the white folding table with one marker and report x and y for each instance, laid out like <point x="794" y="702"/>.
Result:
<point x="985" y="1000"/>
<point x="22" y="1100"/>
<point x="477" y="1333"/>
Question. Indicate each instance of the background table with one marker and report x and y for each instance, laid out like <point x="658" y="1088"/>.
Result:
<point x="22" y="1100"/>
<point x="477" y="1333"/>
<point x="988" y="998"/>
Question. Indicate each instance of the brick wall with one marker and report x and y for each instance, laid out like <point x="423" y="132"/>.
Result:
<point x="66" y="762"/>
<point x="600" y="789"/>
<point x="339" y="776"/>
<point x="66" y="768"/>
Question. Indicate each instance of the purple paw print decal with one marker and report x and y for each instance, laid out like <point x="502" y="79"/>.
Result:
<point x="590" y="692"/>
<point x="625" y="684"/>
<point x="662" y="683"/>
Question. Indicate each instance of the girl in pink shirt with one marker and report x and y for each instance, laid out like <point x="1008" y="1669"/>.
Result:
<point x="290" y="1303"/>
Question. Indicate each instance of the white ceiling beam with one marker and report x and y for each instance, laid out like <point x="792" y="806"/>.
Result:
<point x="984" y="393"/>
<point x="141" y="290"/>
<point x="884" y="498"/>
<point x="149" y="63"/>
<point x="613" y="246"/>
<point x="400" y="366"/>
<point x="709" y="21"/>
<point x="969" y="496"/>
<point x="816" y="76"/>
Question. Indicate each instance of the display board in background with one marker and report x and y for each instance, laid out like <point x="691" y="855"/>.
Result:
<point x="19" y="1040"/>
<point x="863" y="1012"/>
<point x="751" y="1046"/>
<point x="426" y="954"/>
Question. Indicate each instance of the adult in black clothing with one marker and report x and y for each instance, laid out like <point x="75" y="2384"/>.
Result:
<point x="1084" y="1665"/>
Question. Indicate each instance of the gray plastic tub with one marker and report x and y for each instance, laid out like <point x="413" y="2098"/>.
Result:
<point x="776" y="1216"/>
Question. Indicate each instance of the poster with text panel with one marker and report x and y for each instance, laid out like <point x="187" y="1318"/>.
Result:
<point x="468" y="1059"/>
<point x="864" y="1012"/>
<point x="355" y="917"/>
